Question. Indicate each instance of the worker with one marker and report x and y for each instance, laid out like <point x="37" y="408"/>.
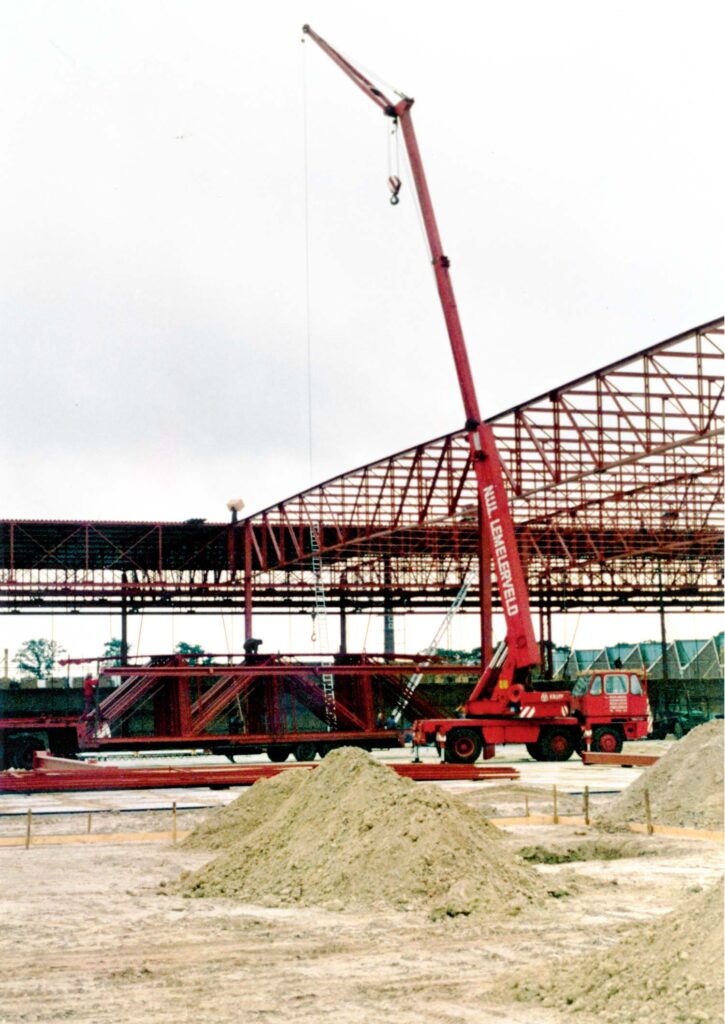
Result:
<point x="380" y="720"/>
<point x="440" y="744"/>
<point x="90" y="695"/>
<point x="390" y="722"/>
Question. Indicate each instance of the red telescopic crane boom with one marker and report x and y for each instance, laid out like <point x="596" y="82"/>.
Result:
<point x="521" y="643"/>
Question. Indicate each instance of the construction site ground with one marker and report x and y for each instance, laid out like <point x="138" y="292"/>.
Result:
<point x="89" y="936"/>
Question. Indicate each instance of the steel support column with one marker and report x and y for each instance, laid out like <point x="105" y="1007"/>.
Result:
<point x="248" y="581"/>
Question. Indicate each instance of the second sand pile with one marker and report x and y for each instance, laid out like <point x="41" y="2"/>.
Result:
<point x="667" y="972"/>
<point x="353" y="833"/>
<point x="685" y="786"/>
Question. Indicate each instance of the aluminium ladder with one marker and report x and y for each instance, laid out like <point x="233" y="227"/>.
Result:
<point x="412" y="684"/>
<point x="320" y="617"/>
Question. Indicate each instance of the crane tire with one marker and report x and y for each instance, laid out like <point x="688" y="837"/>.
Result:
<point x="534" y="751"/>
<point x="463" y="746"/>
<point x="556" y="744"/>
<point x="606" y="740"/>
<point x="278" y="754"/>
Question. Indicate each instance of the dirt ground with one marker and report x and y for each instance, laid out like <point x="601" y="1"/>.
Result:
<point x="88" y="935"/>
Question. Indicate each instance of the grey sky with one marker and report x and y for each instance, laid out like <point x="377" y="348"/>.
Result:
<point x="152" y="276"/>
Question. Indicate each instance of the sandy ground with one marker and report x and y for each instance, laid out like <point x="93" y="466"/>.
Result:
<point x="88" y="936"/>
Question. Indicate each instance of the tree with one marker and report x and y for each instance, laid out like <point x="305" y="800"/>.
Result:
<point x="194" y="653"/>
<point x="37" y="658"/>
<point x="113" y="652"/>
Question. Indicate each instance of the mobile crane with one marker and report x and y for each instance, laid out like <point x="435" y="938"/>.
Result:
<point x="607" y="708"/>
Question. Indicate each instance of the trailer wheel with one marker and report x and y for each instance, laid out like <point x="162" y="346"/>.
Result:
<point x="534" y="751"/>
<point x="21" y="749"/>
<point x="556" y="744"/>
<point x="463" y="746"/>
<point x="606" y="740"/>
<point x="678" y="730"/>
<point x="304" y="752"/>
<point x="278" y="754"/>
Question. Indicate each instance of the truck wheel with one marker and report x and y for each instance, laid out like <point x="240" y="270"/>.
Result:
<point x="304" y="752"/>
<point x="463" y="746"/>
<point x="534" y="751"/>
<point x="556" y="745"/>
<point x="278" y="754"/>
<point x="606" y="740"/>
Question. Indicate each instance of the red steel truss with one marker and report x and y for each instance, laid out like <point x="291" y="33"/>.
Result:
<point x="615" y="485"/>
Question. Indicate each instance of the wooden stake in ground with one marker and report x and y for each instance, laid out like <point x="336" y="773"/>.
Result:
<point x="556" y="806"/>
<point x="586" y="806"/>
<point x="29" y="828"/>
<point x="526" y="805"/>
<point x="648" y="813"/>
<point x="88" y="825"/>
<point x="173" y="822"/>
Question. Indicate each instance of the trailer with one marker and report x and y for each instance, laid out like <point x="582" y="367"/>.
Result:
<point x="277" y="705"/>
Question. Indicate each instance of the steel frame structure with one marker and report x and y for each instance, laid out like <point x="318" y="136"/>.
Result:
<point x="614" y="481"/>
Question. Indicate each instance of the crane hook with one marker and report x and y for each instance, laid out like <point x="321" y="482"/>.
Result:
<point x="394" y="184"/>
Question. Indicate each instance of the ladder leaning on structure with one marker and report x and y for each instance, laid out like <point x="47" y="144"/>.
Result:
<point x="320" y="619"/>
<point x="412" y="684"/>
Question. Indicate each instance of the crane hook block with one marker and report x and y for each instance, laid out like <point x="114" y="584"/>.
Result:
<point x="394" y="184"/>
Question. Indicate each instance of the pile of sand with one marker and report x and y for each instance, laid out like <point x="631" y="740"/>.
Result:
<point x="668" y="972"/>
<point x="225" y="828"/>
<point x="353" y="833"/>
<point x="685" y="786"/>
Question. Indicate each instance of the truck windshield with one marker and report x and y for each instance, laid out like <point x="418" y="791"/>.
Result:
<point x="615" y="684"/>
<point x="580" y="687"/>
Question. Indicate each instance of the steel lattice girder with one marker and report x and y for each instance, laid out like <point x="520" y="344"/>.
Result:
<point x="615" y="483"/>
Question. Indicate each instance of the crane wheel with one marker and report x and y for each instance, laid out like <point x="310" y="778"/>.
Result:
<point x="606" y="740"/>
<point x="463" y="746"/>
<point x="278" y="754"/>
<point x="304" y="751"/>
<point x="534" y="751"/>
<point x="556" y="744"/>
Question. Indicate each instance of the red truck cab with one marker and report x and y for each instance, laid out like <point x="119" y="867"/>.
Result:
<point x="613" y="707"/>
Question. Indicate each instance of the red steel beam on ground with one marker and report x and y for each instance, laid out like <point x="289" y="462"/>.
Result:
<point x="105" y="777"/>
<point x="624" y="760"/>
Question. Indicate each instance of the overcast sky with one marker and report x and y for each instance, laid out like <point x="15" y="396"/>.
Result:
<point x="155" y="191"/>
